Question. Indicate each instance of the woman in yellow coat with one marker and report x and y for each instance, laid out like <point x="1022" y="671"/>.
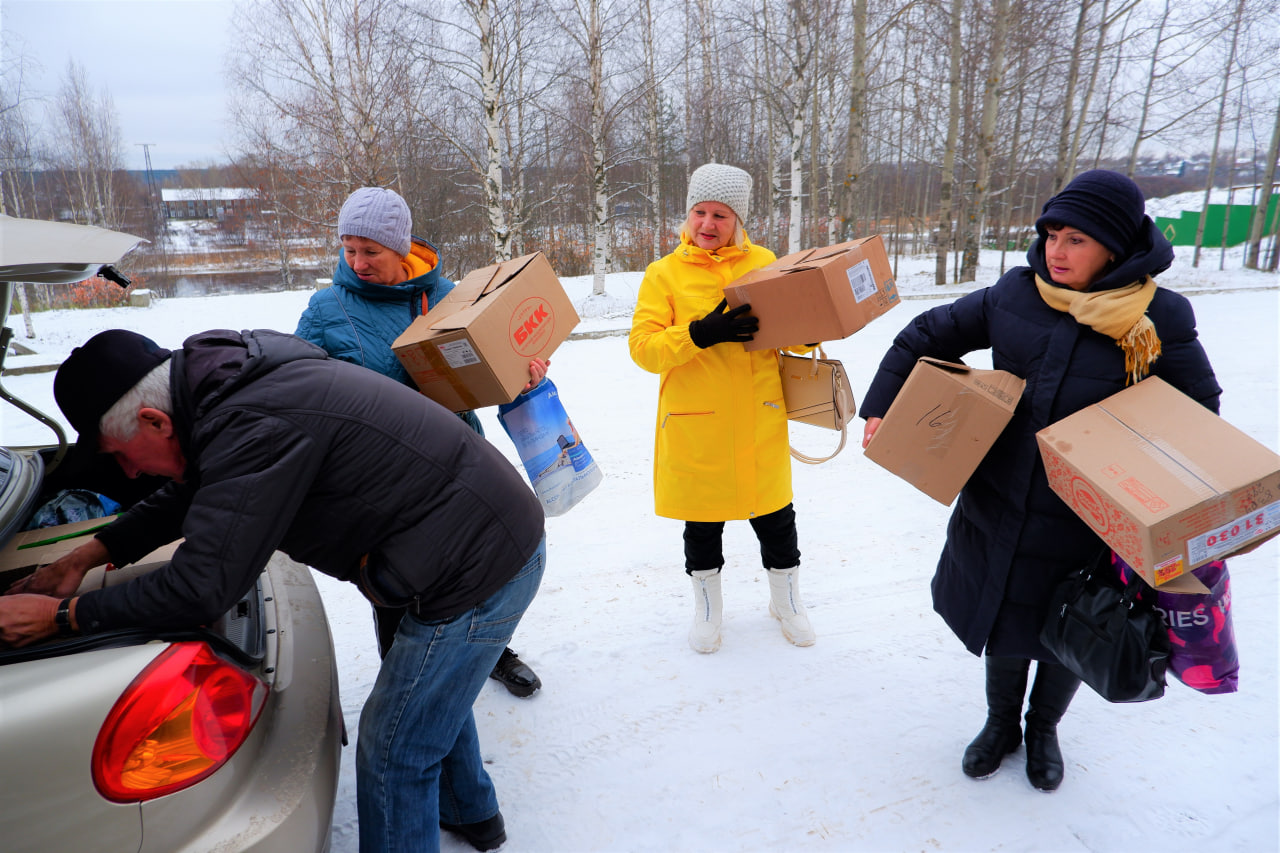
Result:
<point x="721" y="449"/>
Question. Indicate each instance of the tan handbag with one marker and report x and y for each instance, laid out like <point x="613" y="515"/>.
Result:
<point x="815" y="390"/>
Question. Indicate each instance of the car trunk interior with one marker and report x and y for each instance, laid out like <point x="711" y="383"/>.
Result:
<point x="238" y="633"/>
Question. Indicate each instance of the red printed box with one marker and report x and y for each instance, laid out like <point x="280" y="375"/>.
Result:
<point x="1164" y="481"/>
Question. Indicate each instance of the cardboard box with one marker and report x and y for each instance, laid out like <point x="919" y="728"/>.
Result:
<point x="473" y="348"/>
<point x="942" y="423"/>
<point x="28" y="550"/>
<point x="1165" y="482"/>
<point x="817" y="295"/>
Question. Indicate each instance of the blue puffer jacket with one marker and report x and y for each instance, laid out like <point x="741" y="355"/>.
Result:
<point x="357" y="321"/>
<point x="1010" y="538"/>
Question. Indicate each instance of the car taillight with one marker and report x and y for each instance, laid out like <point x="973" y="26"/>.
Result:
<point x="178" y="722"/>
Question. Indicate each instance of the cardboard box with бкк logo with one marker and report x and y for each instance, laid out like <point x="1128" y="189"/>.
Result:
<point x="817" y="295"/>
<point x="1165" y="482"/>
<point x="942" y="423"/>
<point x="473" y="348"/>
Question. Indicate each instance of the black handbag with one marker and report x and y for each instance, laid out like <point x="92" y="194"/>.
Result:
<point x="1100" y="631"/>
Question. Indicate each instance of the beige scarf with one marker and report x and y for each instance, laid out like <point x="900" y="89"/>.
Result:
<point x="1120" y="314"/>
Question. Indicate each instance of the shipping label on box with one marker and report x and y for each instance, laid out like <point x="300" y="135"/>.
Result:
<point x="473" y="348"/>
<point x="1165" y="482"/>
<point x="942" y="423"/>
<point x="817" y="295"/>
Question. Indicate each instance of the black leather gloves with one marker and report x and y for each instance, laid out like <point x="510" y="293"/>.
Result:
<point x="720" y="326"/>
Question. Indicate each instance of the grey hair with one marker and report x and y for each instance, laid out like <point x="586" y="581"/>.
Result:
<point x="152" y="391"/>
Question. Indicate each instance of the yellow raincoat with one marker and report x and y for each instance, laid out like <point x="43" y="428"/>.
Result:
<point x="721" y="448"/>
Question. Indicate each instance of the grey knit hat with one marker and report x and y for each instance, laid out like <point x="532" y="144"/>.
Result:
<point x="377" y="214"/>
<point x="728" y="185"/>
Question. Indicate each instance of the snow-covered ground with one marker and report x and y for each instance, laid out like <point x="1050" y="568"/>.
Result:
<point x="636" y="743"/>
<point x="1173" y="206"/>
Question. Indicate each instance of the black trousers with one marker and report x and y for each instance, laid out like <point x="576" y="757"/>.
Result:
<point x="779" y="542"/>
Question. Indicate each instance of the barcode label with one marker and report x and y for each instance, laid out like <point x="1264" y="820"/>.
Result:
<point x="459" y="354"/>
<point x="861" y="281"/>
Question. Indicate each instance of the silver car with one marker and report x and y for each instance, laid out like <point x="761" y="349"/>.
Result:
<point x="220" y="738"/>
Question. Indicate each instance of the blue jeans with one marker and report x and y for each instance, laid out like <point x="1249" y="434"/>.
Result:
<point x="418" y="756"/>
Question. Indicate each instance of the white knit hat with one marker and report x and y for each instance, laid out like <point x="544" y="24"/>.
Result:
<point x="377" y="214"/>
<point x="728" y="185"/>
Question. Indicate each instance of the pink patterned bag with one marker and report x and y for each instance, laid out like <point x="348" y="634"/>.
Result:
<point x="1203" y="655"/>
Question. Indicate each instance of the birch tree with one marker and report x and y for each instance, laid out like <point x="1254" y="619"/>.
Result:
<point x="1175" y="86"/>
<point x="482" y="12"/>
<point x="593" y="42"/>
<point x="339" y="79"/>
<point x="986" y="138"/>
<point x="853" y="149"/>
<point x="597" y="28"/>
<point x="653" y="138"/>
<point x="800" y="53"/>
<point x="19" y="152"/>
<point x="1065" y="161"/>
<point x="18" y="156"/>
<point x="955" y="51"/>
<point x="485" y="53"/>
<point x="1263" y="202"/>
<point x="87" y="146"/>
<point x="1237" y="23"/>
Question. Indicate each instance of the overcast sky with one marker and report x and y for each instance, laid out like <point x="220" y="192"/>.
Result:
<point x="160" y="60"/>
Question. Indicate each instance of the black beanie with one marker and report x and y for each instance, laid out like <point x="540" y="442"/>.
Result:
<point x="1105" y="205"/>
<point x="96" y="375"/>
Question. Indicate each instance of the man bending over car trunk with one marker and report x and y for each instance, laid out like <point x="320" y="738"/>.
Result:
<point x="271" y="445"/>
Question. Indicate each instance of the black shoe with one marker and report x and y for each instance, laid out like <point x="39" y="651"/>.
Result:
<point x="996" y="740"/>
<point x="486" y="835"/>
<point x="1044" y="757"/>
<point x="515" y="675"/>
<point x="1051" y="694"/>
<point x="1006" y="684"/>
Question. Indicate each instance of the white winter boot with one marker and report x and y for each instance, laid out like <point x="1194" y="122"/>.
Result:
<point x="704" y="636"/>
<point x="785" y="606"/>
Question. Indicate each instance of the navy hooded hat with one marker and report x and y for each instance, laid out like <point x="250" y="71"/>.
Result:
<point x="1107" y="206"/>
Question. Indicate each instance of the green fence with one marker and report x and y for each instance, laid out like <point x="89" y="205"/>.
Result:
<point x="1182" y="230"/>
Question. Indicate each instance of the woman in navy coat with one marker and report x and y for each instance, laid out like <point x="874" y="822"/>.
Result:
<point x="1079" y="323"/>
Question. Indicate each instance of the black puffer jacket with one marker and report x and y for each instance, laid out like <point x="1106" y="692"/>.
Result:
<point x="1010" y="538"/>
<point x="288" y="449"/>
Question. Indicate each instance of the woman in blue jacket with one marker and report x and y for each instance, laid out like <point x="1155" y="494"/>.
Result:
<point x="1079" y="323"/>
<point x="385" y="278"/>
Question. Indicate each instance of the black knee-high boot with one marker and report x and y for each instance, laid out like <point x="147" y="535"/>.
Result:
<point x="1006" y="685"/>
<point x="1050" y="695"/>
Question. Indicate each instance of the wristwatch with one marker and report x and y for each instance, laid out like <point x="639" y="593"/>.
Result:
<point x="62" y="618"/>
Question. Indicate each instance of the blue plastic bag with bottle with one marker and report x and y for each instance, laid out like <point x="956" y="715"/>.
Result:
<point x="559" y="465"/>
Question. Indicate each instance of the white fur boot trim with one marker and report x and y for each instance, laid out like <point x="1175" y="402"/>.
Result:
<point x="708" y="608"/>
<point x="785" y="606"/>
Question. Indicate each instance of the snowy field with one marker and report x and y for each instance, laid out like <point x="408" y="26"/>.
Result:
<point x="636" y="743"/>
